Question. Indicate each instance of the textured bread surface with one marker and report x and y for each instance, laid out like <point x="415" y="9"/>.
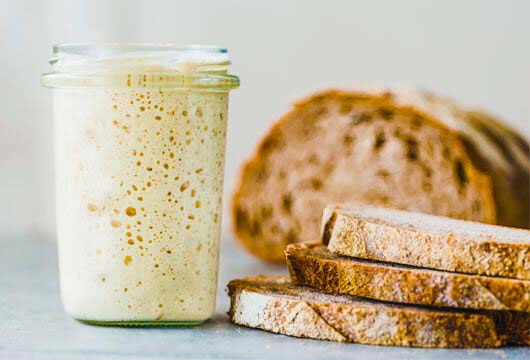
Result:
<point x="350" y="147"/>
<point x="274" y="304"/>
<point x="428" y="241"/>
<point x="495" y="149"/>
<point x="314" y="265"/>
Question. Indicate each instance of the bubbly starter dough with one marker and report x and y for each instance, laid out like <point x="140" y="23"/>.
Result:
<point x="139" y="191"/>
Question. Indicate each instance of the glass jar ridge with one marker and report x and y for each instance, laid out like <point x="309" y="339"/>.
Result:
<point x="122" y="65"/>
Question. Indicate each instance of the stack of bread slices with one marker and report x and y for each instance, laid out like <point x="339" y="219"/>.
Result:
<point x="390" y="277"/>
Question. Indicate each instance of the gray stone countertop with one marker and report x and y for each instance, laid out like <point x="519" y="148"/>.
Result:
<point x="34" y="326"/>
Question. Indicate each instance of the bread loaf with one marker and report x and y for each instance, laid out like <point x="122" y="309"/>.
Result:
<point x="340" y="146"/>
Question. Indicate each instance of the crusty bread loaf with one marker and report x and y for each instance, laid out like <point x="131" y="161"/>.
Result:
<point x="312" y="264"/>
<point x="494" y="148"/>
<point x="353" y="147"/>
<point x="428" y="241"/>
<point x="273" y="304"/>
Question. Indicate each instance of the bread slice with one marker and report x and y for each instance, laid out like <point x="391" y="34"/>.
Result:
<point x="314" y="265"/>
<point x="274" y="304"/>
<point x="427" y="241"/>
<point x="340" y="146"/>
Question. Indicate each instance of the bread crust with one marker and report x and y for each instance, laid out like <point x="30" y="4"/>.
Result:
<point x="313" y="265"/>
<point x="351" y="233"/>
<point x="249" y="225"/>
<point x="277" y="306"/>
<point x="494" y="148"/>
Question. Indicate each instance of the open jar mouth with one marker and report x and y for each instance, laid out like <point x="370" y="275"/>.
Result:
<point x="140" y="65"/>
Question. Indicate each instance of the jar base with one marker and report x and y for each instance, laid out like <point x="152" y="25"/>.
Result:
<point x="142" y="323"/>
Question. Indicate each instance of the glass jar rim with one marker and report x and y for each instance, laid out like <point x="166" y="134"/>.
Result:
<point x="167" y="65"/>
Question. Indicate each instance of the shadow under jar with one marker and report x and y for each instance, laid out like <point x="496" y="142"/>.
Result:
<point x="140" y="133"/>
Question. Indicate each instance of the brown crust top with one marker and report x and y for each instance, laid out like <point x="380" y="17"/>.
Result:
<point x="314" y="265"/>
<point x="304" y="312"/>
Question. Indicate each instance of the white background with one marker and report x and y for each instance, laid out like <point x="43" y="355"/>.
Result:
<point x="475" y="51"/>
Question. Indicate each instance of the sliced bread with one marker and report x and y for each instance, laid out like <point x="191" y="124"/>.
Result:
<point x="274" y="304"/>
<point x="314" y="265"/>
<point x="427" y="241"/>
<point x="340" y="146"/>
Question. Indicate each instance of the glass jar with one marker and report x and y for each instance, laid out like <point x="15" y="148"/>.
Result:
<point x="140" y="134"/>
